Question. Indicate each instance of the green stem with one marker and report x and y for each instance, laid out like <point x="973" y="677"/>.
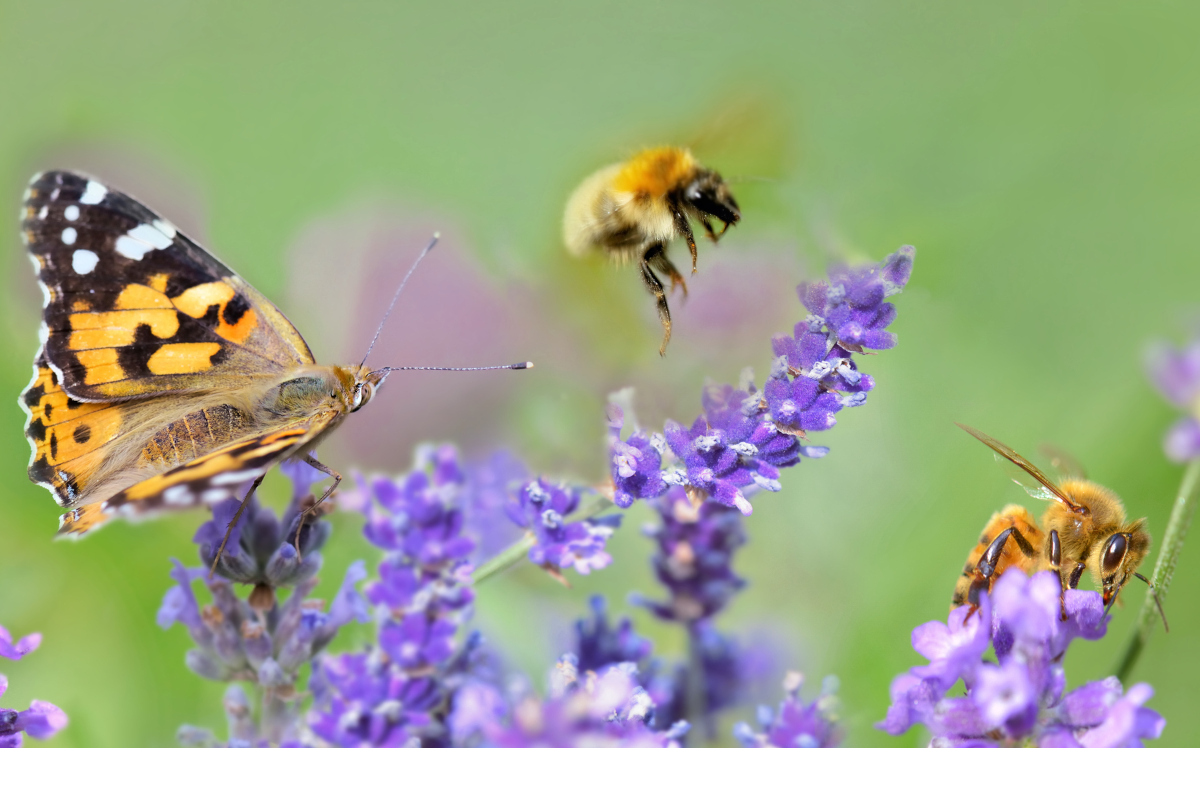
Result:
<point x="504" y="559"/>
<point x="695" y="695"/>
<point x="1168" y="555"/>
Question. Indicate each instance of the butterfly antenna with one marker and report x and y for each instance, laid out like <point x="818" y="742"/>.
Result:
<point x="396" y="296"/>
<point x="518" y="365"/>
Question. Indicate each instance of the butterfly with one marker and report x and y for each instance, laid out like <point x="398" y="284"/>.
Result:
<point x="164" y="380"/>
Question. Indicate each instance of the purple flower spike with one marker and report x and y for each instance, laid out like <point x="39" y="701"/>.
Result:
<point x="23" y="647"/>
<point x="695" y="557"/>
<point x="41" y="720"/>
<point x="543" y="508"/>
<point x="1176" y="374"/>
<point x="746" y="435"/>
<point x="796" y="723"/>
<point x="584" y="709"/>
<point x="1020" y="700"/>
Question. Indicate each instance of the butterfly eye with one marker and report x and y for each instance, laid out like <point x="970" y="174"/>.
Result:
<point x="1114" y="553"/>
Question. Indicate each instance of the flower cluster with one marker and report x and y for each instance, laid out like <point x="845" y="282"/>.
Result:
<point x="1020" y="699"/>
<point x="694" y="559"/>
<point x="796" y="724"/>
<point x="1176" y="373"/>
<point x="396" y="692"/>
<point x="745" y="435"/>
<point x="261" y="548"/>
<point x="543" y="509"/>
<point x="588" y="709"/>
<point x="259" y="640"/>
<point x="42" y="719"/>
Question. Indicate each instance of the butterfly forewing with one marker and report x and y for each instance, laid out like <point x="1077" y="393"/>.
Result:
<point x="133" y="307"/>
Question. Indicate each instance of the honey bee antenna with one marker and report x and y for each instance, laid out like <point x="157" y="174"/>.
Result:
<point x="396" y="296"/>
<point x="1157" y="602"/>
<point x="518" y="365"/>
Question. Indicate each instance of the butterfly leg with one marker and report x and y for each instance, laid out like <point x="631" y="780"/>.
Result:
<point x="312" y="510"/>
<point x="237" y="515"/>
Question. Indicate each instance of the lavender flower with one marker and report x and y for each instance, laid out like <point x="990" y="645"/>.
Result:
<point x="1020" y="699"/>
<point x="598" y="644"/>
<point x="396" y="692"/>
<point x="259" y="640"/>
<point x="608" y="709"/>
<point x="261" y="548"/>
<point x="42" y="719"/>
<point x="543" y="508"/>
<point x="694" y="558"/>
<point x="745" y="435"/>
<point x="796" y="724"/>
<point x="1176" y="374"/>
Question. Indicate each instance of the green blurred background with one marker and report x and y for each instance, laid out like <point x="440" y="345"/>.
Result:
<point x="1042" y="160"/>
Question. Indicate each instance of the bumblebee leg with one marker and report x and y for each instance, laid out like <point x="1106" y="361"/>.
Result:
<point x="237" y="515"/>
<point x="312" y="510"/>
<point x="708" y="229"/>
<point x="662" y="264"/>
<point x="684" y="229"/>
<point x="655" y="287"/>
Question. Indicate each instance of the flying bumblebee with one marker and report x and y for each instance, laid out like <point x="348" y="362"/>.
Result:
<point x="633" y="210"/>
<point x="1084" y="529"/>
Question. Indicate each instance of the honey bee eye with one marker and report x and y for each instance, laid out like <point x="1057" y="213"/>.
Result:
<point x="1114" y="554"/>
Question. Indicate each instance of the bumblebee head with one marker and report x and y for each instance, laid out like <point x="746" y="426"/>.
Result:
<point x="709" y="195"/>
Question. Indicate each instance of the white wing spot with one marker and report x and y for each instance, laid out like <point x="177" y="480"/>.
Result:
<point x="94" y="193"/>
<point x="178" y="496"/>
<point x="84" y="261"/>
<point x="234" y="478"/>
<point x="69" y="235"/>
<point x="167" y="229"/>
<point x="28" y="194"/>
<point x="45" y="210"/>
<point x="143" y="239"/>
<point x="71" y="213"/>
<point x="37" y="263"/>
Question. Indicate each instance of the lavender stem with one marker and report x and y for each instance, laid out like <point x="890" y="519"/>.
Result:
<point x="504" y="559"/>
<point x="1164" y="569"/>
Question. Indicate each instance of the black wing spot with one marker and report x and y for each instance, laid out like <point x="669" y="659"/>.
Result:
<point x="72" y="404"/>
<point x="36" y="430"/>
<point x="34" y="396"/>
<point x="82" y="434"/>
<point x="54" y="446"/>
<point x="235" y="309"/>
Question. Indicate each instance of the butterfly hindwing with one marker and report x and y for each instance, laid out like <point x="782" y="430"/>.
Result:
<point x="208" y="479"/>
<point x="136" y="309"/>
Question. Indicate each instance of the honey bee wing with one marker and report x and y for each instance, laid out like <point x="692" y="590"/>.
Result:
<point x="1045" y="488"/>
<point x="1065" y="464"/>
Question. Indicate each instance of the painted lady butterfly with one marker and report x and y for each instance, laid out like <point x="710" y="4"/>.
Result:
<point x="164" y="380"/>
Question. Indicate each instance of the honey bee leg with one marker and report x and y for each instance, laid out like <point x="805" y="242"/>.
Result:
<point x="1055" y="558"/>
<point x="991" y="556"/>
<point x="655" y="287"/>
<point x="1076" y="574"/>
<point x="236" y="516"/>
<point x="312" y="510"/>
<point x="684" y="229"/>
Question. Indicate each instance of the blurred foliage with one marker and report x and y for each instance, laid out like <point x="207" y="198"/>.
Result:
<point x="1040" y="157"/>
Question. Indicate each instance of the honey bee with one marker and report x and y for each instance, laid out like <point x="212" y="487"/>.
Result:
<point x="633" y="210"/>
<point x="1083" y="529"/>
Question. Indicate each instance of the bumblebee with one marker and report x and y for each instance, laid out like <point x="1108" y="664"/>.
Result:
<point x="633" y="210"/>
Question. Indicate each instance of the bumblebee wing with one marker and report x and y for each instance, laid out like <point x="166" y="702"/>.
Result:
<point x="1044" y="489"/>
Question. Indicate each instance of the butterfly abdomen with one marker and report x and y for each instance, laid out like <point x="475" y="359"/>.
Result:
<point x="195" y="435"/>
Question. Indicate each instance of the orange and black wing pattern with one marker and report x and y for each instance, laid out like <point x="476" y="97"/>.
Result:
<point x="134" y="308"/>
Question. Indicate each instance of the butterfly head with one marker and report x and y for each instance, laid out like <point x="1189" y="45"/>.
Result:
<point x="362" y="387"/>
